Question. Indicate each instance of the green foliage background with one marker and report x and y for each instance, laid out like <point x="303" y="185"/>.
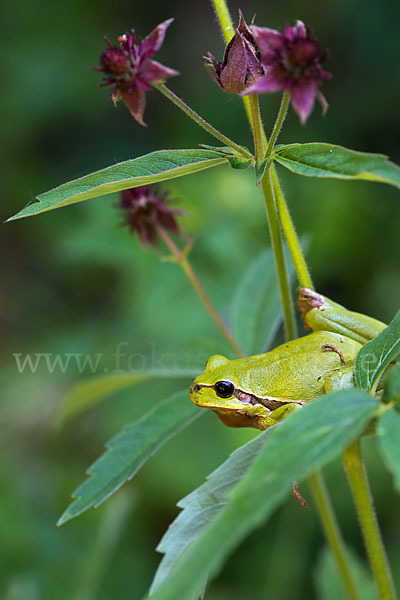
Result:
<point x="75" y="281"/>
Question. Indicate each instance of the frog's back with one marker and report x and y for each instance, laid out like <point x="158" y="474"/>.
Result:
<point x="304" y="363"/>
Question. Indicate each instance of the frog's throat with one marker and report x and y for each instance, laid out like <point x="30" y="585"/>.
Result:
<point x="268" y="402"/>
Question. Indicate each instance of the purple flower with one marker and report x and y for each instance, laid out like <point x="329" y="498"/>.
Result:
<point x="145" y="210"/>
<point x="292" y="62"/>
<point x="241" y="65"/>
<point x="129" y="68"/>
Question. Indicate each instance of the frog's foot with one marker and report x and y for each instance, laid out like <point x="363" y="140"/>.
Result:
<point x="334" y="349"/>
<point x="296" y="494"/>
<point x="308" y="300"/>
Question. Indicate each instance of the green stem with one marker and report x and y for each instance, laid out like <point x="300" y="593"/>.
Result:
<point x="289" y="319"/>
<point x="161" y="87"/>
<point x="278" y="123"/>
<point x="181" y="259"/>
<point x="224" y="18"/>
<point x="257" y="127"/>
<point x="332" y="532"/>
<point x="303" y="273"/>
<point x="324" y="506"/>
<point x="357" y="477"/>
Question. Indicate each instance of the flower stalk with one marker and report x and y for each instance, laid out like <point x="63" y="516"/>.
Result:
<point x="257" y="127"/>
<point x="278" y="124"/>
<point x="332" y="532"/>
<point x="323" y="504"/>
<point x="289" y="319"/>
<point x="357" y="476"/>
<point x="161" y="87"/>
<point x="300" y="264"/>
<point x="181" y="258"/>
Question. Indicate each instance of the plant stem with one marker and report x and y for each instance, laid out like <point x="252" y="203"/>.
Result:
<point x="357" y="477"/>
<point x="257" y="127"/>
<point x="289" y="319"/>
<point x="224" y="18"/>
<point x="332" y="531"/>
<point x="278" y="123"/>
<point x="303" y="273"/>
<point x="161" y="87"/>
<point x="182" y="260"/>
<point x="324" y="507"/>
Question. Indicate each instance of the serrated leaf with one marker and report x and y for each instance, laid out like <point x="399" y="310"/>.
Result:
<point x="150" y="168"/>
<point x="201" y="506"/>
<point x="305" y="441"/>
<point x="89" y="392"/>
<point x="256" y="308"/>
<point x="377" y="354"/>
<point x="129" y="450"/>
<point x="329" y="583"/>
<point x="388" y="431"/>
<point x="327" y="160"/>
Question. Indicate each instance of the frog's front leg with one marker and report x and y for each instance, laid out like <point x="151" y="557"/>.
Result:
<point x="278" y="414"/>
<point x="339" y="380"/>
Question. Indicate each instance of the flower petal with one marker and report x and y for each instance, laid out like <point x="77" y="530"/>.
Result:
<point x="322" y="100"/>
<point x="233" y="73"/>
<point x="271" y="82"/>
<point x="152" y="43"/>
<point x="254" y="67"/>
<point x="213" y="67"/>
<point x="299" y="31"/>
<point x="152" y="71"/>
<point x="135" y="101"/>
<point x="243" y="28"/>
<point x="268" y="40"/>
<point x="303" y="95"/>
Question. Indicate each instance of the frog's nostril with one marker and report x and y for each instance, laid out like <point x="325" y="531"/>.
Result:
<point x="197" y="388"/>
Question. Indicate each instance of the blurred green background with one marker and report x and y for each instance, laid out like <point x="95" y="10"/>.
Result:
<point x="75" y="281"/>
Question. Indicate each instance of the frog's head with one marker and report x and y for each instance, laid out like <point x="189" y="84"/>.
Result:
<point x="218" y="388"/>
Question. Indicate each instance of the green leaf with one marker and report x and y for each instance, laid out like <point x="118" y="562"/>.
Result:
<point x="89" y="392"/>
<point x="305" y="441"/>
<point x="327" y="160"/>
<point x="256" y="308"/>
<point x="261" y="166"/>
<point x="377" y="354"/>
<point x="129" y="450"/>
<point x="388" y="431"/>
<point x="392" y="386"/>
<point x="236" y="160"/>
<point x="329" y="583"/>
<point x="150" y="168"/>
<point x="201" y="506"/>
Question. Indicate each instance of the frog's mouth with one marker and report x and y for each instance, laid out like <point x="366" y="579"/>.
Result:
<point x="247" y="398"/>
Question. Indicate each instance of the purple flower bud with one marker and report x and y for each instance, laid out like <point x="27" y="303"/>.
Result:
<point x="145" y="210"/>
<point x="241" y="65"/>
<point x="130" y="70"/>
<point x="292" y="61"/>
<point x="114" y="62"/>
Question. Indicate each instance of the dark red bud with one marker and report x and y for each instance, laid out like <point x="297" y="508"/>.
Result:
<point x="114" y="61"/>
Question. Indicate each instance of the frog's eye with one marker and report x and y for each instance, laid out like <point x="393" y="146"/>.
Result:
<point x="224" y="389"/>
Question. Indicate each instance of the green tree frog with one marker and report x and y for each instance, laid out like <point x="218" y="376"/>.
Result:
<point x="260" y="390"/>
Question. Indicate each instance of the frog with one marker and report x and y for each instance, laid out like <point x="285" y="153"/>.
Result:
<point x="259" y="391"/>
